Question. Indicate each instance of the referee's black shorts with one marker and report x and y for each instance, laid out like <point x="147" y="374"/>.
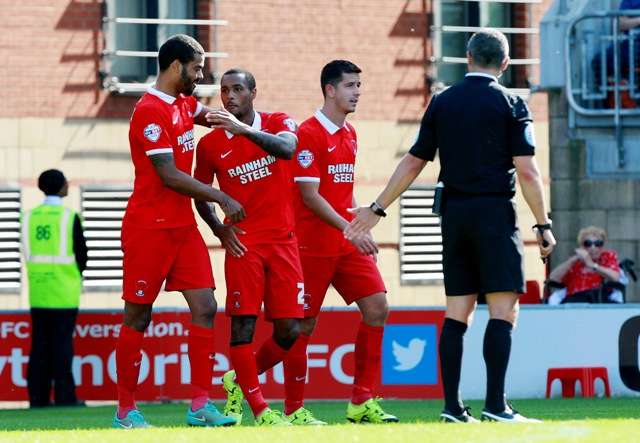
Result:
<point x="482" y="246"/>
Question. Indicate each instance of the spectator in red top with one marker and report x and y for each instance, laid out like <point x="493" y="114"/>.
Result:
<point x="585" y="272"/>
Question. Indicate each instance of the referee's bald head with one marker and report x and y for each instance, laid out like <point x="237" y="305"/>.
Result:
<point x="52" y="182"/>
<point x="488" y="48"/>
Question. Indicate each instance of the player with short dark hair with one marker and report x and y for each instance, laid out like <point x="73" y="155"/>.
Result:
<point x="160" y="239"/>
<point x="180" y="47"/>
<point x="248" y="153"/>
<point x="332" y="72"/>
<point x="324" y="173"/>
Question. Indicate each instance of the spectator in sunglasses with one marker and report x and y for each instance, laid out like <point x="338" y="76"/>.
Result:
<point x="586" y="271"/>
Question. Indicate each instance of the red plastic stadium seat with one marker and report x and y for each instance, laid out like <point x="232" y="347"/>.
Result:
<point x="533" y="294"/>
<point x="586" y="377"/>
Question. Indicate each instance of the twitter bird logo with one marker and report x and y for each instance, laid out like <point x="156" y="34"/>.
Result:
<point x="409" y="354"/>
<point x="408" y="357"/>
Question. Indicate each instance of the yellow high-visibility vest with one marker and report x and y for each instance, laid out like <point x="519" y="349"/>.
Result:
<point x="47" y="241"/>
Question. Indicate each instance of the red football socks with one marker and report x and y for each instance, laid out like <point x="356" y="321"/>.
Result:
<point x="295" y="375"/>
<point x="244" y="363"/>
<point x="128" y="361"/>
<point x="201" y="359"/>
<point x="269" y="355"/>
<point x="368" y="354"/>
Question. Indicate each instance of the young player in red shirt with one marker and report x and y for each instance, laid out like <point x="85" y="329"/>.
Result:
<point x="247" y="152"/>
<point x="160" y="239"/>
<point x="324" y="172"/>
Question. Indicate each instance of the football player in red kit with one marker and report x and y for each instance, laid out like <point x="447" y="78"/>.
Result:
<point x="160" y="239"/>
<point x="249" y="152"/>
<point x="324" y="171"/>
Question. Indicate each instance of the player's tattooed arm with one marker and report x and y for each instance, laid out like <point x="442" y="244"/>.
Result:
<point x="227" y="234"/>
<point x="183" y="183"/>
<point x="208" y="213"/>
<point x="281" y="145"/>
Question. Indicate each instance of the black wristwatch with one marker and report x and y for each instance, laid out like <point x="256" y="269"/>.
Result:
<point x="377" y="209"/>
<point x="542" y="227"/>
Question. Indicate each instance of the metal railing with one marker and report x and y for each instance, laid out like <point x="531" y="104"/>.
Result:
<point x="601" y="73"/>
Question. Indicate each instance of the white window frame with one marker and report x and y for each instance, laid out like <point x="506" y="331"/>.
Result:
<point x="110" y="25"/>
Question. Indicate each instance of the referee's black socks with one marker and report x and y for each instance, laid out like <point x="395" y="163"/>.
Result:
<point x="450" y="348"/>
<point x="496" y="350"/>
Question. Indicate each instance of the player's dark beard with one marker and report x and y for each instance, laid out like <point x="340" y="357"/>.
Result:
<point x="188" y="86"/>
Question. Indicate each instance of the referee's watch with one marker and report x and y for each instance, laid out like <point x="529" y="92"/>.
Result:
<point x="542" y="227"/>
<point x="377" y="209"/>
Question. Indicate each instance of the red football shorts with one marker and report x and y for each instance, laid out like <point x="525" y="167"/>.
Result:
<point x="269" y="273"/>
<point x="151" y="256"/>
<point x="354" y="276"/>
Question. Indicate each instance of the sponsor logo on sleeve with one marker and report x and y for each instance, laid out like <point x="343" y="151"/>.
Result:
<point x="290" y="124"/>
<point x="529" y="134"/>
<point x="305" y="158"/>
<point x="152" y="132"/>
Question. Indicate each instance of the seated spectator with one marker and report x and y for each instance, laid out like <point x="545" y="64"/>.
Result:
<point x="584" y="273"/>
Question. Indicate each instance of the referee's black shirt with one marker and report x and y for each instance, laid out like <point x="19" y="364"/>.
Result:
<point x="477" y="126"/>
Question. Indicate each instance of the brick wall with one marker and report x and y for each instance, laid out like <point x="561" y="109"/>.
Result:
<point x="286" y="43"/>
<point x="527" y="46"/>
<point x="51" y="50"/>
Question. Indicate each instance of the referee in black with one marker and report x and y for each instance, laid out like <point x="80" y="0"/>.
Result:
<point x="484" y="137"/>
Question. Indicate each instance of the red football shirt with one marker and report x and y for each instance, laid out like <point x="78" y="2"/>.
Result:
<point x="260" y="182"/>
<point x="580" y="278"/>
<point x="160" y="124"/>
<point x="326" y="155"/>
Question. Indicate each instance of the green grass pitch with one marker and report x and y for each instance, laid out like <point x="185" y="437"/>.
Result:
<point x="566" y="420"/>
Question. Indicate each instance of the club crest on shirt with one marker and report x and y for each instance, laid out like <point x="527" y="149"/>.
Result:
<point x="305" y="158"/>
<point x="290" y="124"/>
<point x="152" y="132"/>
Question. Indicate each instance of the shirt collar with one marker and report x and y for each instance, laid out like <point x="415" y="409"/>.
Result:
<point x="330" y="126"/>
<point x="161" y="95"/>
<point x="482" y="74"/>
<point x="53" y="200"/>
<point x="257" y="124"/>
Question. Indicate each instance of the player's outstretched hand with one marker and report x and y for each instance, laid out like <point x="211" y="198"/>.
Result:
<point x="223" y="119"/>
<point x="364" y="220"/>
<point x="228" y="235"/>
<point x="366" y="244"/>
<point x="232" y="209"/>
<point x="546" y="243"/>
